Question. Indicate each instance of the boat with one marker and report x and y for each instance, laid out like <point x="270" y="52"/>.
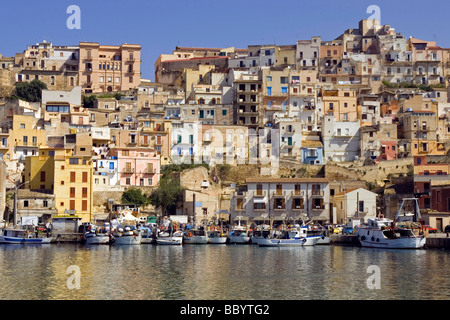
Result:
<point x="291" y="237"/>
<point x="26" y="235"/>
<point x="239" y="234"/>
<point x="92" y="237"/>
<point x="261" y="232"/>
<point x="195" y="236"/>
<point x="216" y="237"/>
<point x="166" y="238"/>
<point x="324" y="237"/>
<point x="404" y="232"/>
<point x="127" y="235"/>
<point x="147" y="235"/>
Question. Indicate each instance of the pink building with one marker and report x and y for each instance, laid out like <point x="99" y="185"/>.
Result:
<point x="388" y="151"/>
<point x="137" y="166"/>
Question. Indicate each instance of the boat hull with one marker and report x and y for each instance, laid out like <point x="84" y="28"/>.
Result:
<point x="98" y="240"/>
<point x="18" y="240"/>
<point x="238" y="239"/>
<point x="147" y="240"/>
<point x="376" y="239"/>
<point x="170" y="241"/>
<point x="195" y="240"/>
<point x="308" y="241"/>
<point x="324" y="240"/>
<point x="217" y="240"/>
<point x="128" y="240"/>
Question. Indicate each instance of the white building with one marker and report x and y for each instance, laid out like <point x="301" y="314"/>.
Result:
<point x="282" y="198"/>
<point x="354" y="204"/>
<point x="340" y="140"/>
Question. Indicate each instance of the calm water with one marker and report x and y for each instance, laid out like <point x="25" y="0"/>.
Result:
<point x="222" y="272"/>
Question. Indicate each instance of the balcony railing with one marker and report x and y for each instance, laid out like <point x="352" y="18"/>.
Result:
<point x="128" y="171"/>
<point x="317" y="193"/>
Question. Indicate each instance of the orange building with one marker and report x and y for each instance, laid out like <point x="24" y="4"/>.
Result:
<point x="109" y="68"/>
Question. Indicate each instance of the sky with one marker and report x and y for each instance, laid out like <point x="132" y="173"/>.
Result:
<point x="160" y="26"/>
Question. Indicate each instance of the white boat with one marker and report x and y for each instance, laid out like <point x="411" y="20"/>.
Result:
<point x="165" y="238"/>
<point x="147" y="236"/>
<point x="216" y="237"/>
<point x="127" y="236"/>
<point x="294" y="237"/>
<point x="404" y="232"/>
<point x="195" y="236"/>
<point x="92" y="237"/>
<point x="239" y="235"/>
<point x="22" y="236"/>
<point x="324" y="237"/>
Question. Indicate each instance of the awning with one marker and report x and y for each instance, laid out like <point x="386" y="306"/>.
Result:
<point x="259" y="218"/>
<point x="259" y="200"/>
<point x="319" y="218"/>
<point x="241" y="218"/>
<point x="279" y="218"/>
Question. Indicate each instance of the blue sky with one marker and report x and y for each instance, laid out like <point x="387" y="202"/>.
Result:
<point x="159" y="26"/>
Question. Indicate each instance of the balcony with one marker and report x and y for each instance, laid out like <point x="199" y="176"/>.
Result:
<point x="278" y="194"/>
<point x="318" y="208"/>
<point x="317" y="193"/>
<point x="259" y="194"/>
<point x="128" y="171"/>
<point x="149" y="171"/>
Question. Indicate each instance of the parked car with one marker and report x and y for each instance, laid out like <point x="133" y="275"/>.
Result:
<point x="447" y="229"/>
<point x="429" y="228"/>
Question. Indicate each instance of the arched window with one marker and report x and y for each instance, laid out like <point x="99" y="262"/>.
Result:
<point x="201" y="101"/>
<point x="72" y="82"/>
<point x="52" y="80"/>
<point x="213" y="101"/>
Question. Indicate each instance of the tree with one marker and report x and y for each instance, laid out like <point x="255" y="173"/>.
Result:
<point x="134" y="196"/>
<point x="30" y="91"/>
<point x="167" y="194"/>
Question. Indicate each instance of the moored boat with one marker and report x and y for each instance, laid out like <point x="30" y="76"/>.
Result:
<point x="166" y="238"/>
<point x="127" y="235"/>
<point x="293" y="237"/>
<point x="195" y="236"/>
<point x="216" y="237"/>
<point x="404" y="232"/>
<point x="22" y="236"/>
<point x="92" y="237"/>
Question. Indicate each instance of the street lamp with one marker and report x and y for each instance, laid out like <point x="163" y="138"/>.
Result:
<point x="15" y="202"/>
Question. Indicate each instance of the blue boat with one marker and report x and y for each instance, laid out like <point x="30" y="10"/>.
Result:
<point x="22" y="236"/>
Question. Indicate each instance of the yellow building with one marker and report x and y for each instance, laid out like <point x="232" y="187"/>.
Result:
<point x="342" y="104"/>
<point x="67" y="176"/>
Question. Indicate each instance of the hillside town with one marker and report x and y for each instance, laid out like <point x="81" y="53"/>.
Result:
<point x="319" y="130"/>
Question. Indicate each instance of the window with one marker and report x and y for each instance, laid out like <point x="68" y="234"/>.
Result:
<point x="42" y="176"/>
<point x="361" y="206"/>
<point x="84" y="205"/>
<point x="283" y="89"/>
<point x="84" y="192"/>
<point x="224" y="112"/>
<point x="72" y="205"/>
<point x="269" y="78"/>
<point x="269" y="91"/>
<point x="45" y="203"/>
<point x="72" y="192"/>
<point x="73" y="160"/>
<point x="22" y="126"/>
<point x="72" y="176"/>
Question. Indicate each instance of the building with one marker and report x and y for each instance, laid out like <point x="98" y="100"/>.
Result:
<point x="356" y="203"/>
<point x="106" y="68"/>
<point x="283" y="198"/>
<point x="340" y="140"/>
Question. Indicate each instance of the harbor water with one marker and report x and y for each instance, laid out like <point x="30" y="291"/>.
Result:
<point x="221" y="272"/>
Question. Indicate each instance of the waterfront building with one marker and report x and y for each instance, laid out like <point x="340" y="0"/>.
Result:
<point x="68" y="176"/>
<point x="283" y="198"/>
<point x="357" y="204"/>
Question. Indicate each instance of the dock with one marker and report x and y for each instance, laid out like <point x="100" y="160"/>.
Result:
<point x="344" y="239"/>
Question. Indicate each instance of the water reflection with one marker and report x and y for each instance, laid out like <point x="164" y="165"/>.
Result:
<point x="220" y="272"/>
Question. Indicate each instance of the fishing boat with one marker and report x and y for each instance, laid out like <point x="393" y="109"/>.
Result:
<point x="195" y="236"/>
<point x="404" y="232"/>
<point x="239" y="234"/>
<point x="92" y="237"/>
<point x="127" y="235"/>
<point x="216" y="237"/>
<point x="166" y="238"/>
<point x="291" y="237"/>
<point x="26" y="235"/>
<point x="324" y="237"/>
<point x="147" y="235"/>
<point x="261" y="232"/>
